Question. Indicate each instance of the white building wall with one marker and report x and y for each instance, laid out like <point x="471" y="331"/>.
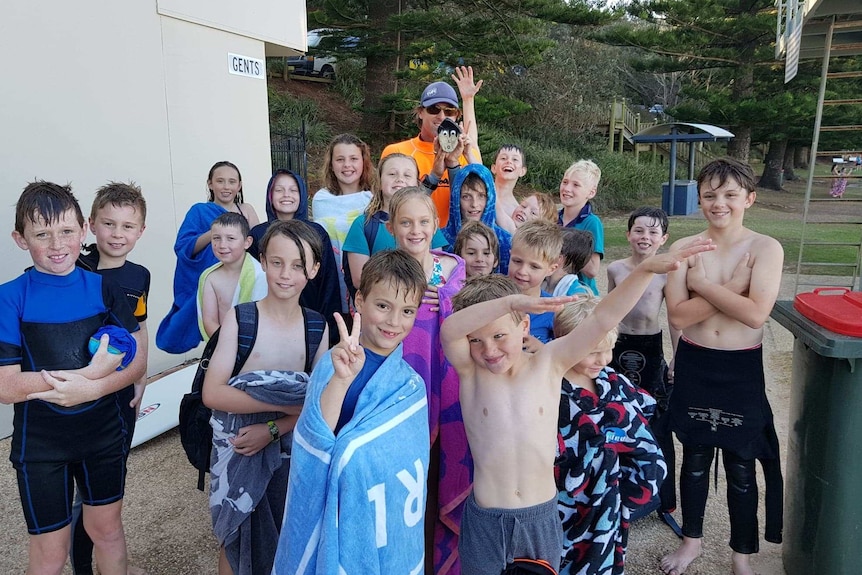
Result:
<point x="117" y="91"/>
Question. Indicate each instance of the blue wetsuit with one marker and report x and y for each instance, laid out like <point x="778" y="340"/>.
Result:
<point x="46" y="324"/>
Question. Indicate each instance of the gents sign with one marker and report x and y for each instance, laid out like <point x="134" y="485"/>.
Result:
<point x="246" y="66"/>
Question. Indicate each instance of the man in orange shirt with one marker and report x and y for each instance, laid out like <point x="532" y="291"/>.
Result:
<point x="438" y="102"/>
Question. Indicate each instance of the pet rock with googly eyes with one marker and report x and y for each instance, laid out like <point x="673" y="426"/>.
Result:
<point x="447" y="135"/>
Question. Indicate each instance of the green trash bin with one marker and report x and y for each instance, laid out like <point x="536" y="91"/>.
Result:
<point x="823" y="487"/>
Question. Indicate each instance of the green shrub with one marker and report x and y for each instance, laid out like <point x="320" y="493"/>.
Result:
<point x="287" y="113"/>
<point x="624" y="185"/>
<point x="350" y="81"/>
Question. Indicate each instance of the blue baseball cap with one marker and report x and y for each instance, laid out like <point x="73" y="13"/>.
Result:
<point x="439" y="93"/>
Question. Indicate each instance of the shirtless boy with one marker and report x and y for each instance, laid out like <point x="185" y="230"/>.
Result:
<point x="508" y="167"/>
<point x="513" y="481"/>
<point x="720" y="301"/>
<point x="237" y="278"/>
<point x="638" y="353"/>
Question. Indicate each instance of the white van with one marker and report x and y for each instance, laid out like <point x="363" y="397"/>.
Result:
<point x="311" y="64"/>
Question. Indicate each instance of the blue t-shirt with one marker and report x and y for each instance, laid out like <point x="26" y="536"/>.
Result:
<point x="590" y="222"/>
<point x="372" y="362"/>
<point x="357" y="243"/>
<point x="542" y="324"/>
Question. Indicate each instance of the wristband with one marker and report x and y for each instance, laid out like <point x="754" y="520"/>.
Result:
<point x="453" y="168"/>
<point x="431" y="182"/>
<point x="273" y="430"/>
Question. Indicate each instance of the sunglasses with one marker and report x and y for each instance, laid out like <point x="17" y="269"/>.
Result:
<point x="436" y="109"/>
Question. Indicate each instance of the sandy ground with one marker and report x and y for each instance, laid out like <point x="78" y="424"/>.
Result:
<point x="169" y="532"/>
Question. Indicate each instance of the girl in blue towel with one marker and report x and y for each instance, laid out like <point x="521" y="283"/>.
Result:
<point x="194" y="254"/>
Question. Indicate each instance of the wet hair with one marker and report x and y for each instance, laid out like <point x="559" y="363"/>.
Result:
<point x="475" y="182"/>
<point x="233" y="220"/>
<point x="575" y="312"/>
<point x="403" y="195"/>
<point x="478" y="289"/>
<point x="120" y="195"/>
<point x="547" y="206"/>
<point x="224" y="163"/>
<point x="588" y="167"/>
<point x="398" y="269"/>
<point x="541" y="236"/>
<point x="657" y="215"/>
<point x="46" y="200"/>
<point x="511" y="148"/>
<point x="297" y="231"/>
<point x="724" y="169"/>
<point x="577" y="249"/>
<point x="368" y="179"/>
<point x="376" y="203"/>
<point x="473" y="229"/>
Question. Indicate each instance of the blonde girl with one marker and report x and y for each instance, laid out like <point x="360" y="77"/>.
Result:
<point x="368" y="233"/>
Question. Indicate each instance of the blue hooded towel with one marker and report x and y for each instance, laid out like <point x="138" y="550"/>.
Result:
<point x="489" y="217"/>
<point x="356" y="501"/>
<point x="178" y="331"/>
<point x="323" y="293"/>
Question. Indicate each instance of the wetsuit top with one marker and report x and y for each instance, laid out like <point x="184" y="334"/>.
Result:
<point x="46" y="324"/>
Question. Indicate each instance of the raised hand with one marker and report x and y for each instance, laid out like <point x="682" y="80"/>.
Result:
<point x="348" y="356"/>
<point x="463" y="78"/>
<point x="667" y="262"/>
<point x="530" y="304"/>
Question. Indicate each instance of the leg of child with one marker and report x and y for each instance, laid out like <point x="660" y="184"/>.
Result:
<point x="742" y="508"/>
<point x="105" y="526"/>
<point x="223" y="563"/>
<point x="81" y="554"/>
<point x="48" y="552"/>
<point x="693" y="491"/>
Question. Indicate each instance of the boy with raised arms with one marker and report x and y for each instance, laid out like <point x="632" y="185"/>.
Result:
<point x="510" y="403"/>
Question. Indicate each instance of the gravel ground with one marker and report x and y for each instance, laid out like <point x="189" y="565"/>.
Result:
<point x="169" y="532"/>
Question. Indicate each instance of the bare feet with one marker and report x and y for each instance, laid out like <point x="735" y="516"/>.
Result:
<point x="741" y="565"/>
<point x="677" y="562"/>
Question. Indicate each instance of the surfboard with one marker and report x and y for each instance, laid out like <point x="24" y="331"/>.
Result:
<point x="160" y="406"/>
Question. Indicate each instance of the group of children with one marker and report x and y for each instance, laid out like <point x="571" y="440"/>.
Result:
<point x="471" y="417"/>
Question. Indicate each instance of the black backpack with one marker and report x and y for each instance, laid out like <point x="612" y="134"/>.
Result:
<point x="371" y="227"/>
<point x="196" y="434"/>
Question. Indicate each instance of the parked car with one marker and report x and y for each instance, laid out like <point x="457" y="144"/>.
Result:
<point x="313" y="63"/>
<point x="657" y="109"/>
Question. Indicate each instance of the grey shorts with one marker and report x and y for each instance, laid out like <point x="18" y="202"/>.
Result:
<point x="492" y="538"/>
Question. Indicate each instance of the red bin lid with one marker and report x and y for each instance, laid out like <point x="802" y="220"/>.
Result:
<point x="836" y="308"/>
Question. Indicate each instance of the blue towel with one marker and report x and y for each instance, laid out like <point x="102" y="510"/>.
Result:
<point x="178" y="332"/>
<point x="121" y="341"/>
<point x="356" y="502"/>
<point x="245" y="522"/>
<point x="489" y="214"/>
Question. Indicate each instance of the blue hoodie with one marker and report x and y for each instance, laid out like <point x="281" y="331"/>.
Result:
<point x="322" y="294"/>
<point x="489" y="216"/>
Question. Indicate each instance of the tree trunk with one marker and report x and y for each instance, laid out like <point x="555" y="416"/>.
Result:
<point x="742" y="89"/>
<point x="789" y="154"/>
<point x="380" y="69"/>
<point x="772" y="165"/>
<point x="800" y="157"/>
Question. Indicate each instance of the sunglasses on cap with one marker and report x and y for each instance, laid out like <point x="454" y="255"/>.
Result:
<point x="437" y="108"/>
